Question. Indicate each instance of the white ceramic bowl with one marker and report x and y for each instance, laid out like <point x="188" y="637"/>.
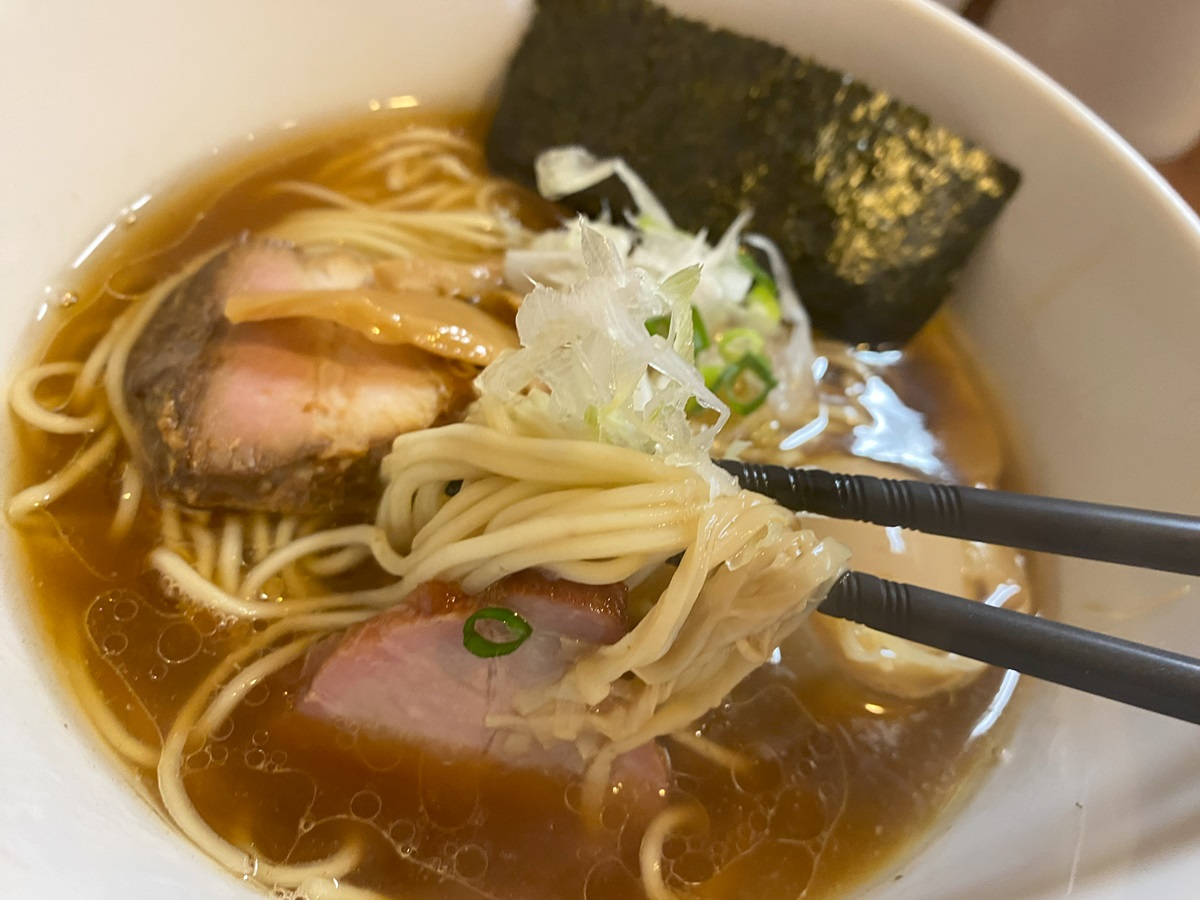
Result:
<point x="1083" y="307"/>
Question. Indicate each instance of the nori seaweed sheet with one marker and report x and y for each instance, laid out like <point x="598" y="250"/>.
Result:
<point x="875" y="207"/>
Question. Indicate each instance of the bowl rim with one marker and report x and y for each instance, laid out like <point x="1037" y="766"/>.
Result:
<point x="1184" y="220"/>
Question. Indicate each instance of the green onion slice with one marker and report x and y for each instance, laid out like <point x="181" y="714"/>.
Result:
<point x="764" y="292"/>
<point x="761" y="275"/>
<point x="737" y="342"/>
<point x="661" y="326"/>
<point x="712" y="374"/>
<point x="485" y="648"/>
<point x="745" y="384"/>
<point x="699" y="331"/>
<point x="765" y="299"/>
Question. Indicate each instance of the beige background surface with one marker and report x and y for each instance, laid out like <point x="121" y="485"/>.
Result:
<point x="1183" y="173"/>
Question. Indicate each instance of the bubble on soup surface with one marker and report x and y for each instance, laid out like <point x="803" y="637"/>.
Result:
<point x="613" y="815"/>
<point x="694" y="867"/>
<point x="254" y="758"/>
<point x="758" y="821"/>
<point x="114" y="644"/>
<point x="759" y="771"/>
<point x="179" y="642"/>
<point x="205" y="622"/>
<point x="403" y="833"/>
<point x="470" y="862"/>
<point x="674" y="846"/>
<point x="197" y="761"/>
<point x="786" y="782"/>
<point x="125" y="605"/>
<point x="127" y="620"/>
<point x="365" y="805"/>
<point x="573" y="796"/>
<point x="799" y="814"/>
<point x="611" y="880"/>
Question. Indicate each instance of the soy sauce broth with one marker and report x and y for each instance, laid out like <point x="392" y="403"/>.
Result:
<point x="837" y="782"/>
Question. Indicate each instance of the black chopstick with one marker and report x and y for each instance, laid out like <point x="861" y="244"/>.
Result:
<point x="1142" y="676"/>
<point x="1169" y="542"/>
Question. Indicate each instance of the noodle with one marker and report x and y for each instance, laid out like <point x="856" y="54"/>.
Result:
<point x="296" y="549"/>
<point x="727" y="759"/>
<point x="650" y="854"/>
<point x="202" y="591"/>
<point x="195" y="718"/>
<point x="696" y="642"/>
<point x="130" y="500"/>
<point x="230" y="557"/>
<point x="24" y="402"/>
<point x="262" y="540"/>
<point x="419" y="192"/>
<point x="435" y="200"/>
<point x="88" y="460"/>
<point x="111" y="730"/>
<point x="205" y="546"/>
<point x="527" y="495"/>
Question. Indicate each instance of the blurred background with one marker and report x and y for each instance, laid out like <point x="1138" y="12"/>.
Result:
<point x="1135" y="62"/>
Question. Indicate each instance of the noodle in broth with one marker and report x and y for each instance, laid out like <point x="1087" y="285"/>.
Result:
<point x="797" y="774"/>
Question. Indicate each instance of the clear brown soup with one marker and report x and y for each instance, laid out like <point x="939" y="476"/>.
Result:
<point x="842" y="781"/>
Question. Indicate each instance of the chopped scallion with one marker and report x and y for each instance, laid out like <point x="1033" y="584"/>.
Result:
<point x="764" y="292"/>
<point x="737" y="342"/>
<point x="485" y="648"/>
<point x="712" y="374"/>
<point x="700" y="336"/>
<point x="661" y="326"/>
<point x="765" y="299"/>
<point x="745" y="384"/>
<point x="751" y="265"/>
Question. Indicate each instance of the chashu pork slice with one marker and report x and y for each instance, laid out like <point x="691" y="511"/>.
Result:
<point x="292" y="415"/>
<point x="405" y="675"/>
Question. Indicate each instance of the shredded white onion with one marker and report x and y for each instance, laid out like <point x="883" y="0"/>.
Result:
<point x="609" y="379"/>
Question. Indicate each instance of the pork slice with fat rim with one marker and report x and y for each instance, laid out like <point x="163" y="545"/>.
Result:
<point x="291" y="415"/>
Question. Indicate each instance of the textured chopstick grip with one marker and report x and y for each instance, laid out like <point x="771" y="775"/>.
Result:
<point x="1134" y="537"/>
<point x="1131" y="673"/>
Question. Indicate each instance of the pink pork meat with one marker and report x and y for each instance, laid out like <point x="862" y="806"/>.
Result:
<point x="405" y="674"/>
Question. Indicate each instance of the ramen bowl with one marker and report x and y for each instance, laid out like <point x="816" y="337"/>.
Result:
<point x="1080" y="307"/>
